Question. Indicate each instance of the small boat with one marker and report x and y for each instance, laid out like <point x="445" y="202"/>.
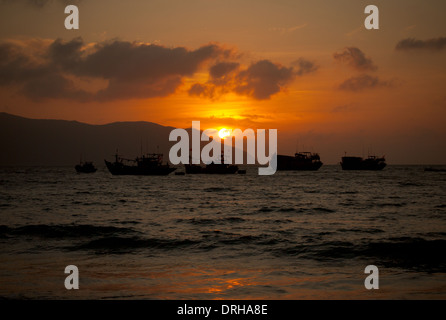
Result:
<point x="305" y="161"/>
<point x="358" y="163"/>
<point x="85" y="167"/>
<point x="146" y="165"/>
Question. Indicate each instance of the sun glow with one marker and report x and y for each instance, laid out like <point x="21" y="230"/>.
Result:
<point x="224" y="133"/>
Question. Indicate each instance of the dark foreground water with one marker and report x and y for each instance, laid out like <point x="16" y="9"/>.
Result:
<point x="298" y="235"/>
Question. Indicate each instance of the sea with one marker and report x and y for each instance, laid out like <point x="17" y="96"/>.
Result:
<point x="289" y="236"/>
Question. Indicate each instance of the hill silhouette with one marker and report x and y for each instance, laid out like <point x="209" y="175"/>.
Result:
<point x="38" y="142"/>
<point x="60" y="142"/>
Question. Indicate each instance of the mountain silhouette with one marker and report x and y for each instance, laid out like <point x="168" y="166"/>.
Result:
<point x="37" y="142"/>
<point x="60" y="142"/>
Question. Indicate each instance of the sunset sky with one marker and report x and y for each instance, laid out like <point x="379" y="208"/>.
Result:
<point x="307" y="68"/>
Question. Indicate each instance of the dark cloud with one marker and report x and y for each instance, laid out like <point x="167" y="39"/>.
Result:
<point x="435" y="44"/>
<point x="67" y="55"/>
<point x="364" y="82"/>
<point x="143" y="71"/>
<point x="127" y="70"/>
<point x="129" y="61"/>
<point x="37" y="77"/>
<point x="355" y="58"/>
<point x="202" y="90"/>
<point x="55" y="86"/>
<point x="132" y="70"/>
<point x="222" y="69"/>
<point x="220" y="75"/>
<point x="16" y="66"/>
<point x="304" y="66"/>
<point x="260" y="80"/>
<point x="263" y="79"/>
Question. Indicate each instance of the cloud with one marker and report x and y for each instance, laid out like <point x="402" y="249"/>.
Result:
<point x="355" y="58"/>
<point x="221" y="75"/>
<point x="260" y="80"/>
<point x="221" y="70"/>
<point x="435" y="44"/>
<point x="263" y="79"/>
<point x="202" y="90"/>
<point x="118" y="70"/>
<point x="304" y="66"/>
<point x="17" y="66"/>
<point x="131" y="70"/>
<point x="55" y="86"/>
<point x="364" y="82"/>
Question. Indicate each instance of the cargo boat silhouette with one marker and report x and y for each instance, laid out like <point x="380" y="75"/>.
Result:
<point x="85" y="167"/>
<point x="358" y="163"/>
<point x="146" y="165"/>
<point x="301" y="161"/>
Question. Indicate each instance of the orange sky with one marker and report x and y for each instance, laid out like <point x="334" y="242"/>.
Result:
<point x="309" y="69"/>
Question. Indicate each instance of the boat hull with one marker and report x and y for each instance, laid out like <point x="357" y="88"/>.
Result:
<point x="118" y="168"/>
<point x="83" y="169"/>
<point x="358" y="163"/>
<point x="290" y="163"/>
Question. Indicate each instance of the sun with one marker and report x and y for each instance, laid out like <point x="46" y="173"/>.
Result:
<point x="223" y="133"/>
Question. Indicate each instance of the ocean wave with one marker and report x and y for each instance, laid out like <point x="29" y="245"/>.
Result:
<point x="207" y="221"/>
<point x="312" y="191"/>
<point x="218" y="189"/>
<point x="412" y="253"/>
<point x="359" y="230"/>
<point x="217" y="238"/>
<point x="63" y="231"/>
<point x="265" y="209"/>
<point x="403" y="252"/>
<point x="410" y="184"/>
<point x="347" y="192"/>
<point x="233" y="219"/>
<point x="322" y="209"/>
<point x="286" y="209"/>
<point x="242" y="239"/>
<point x="201" y="221"/>
<point x="396" y="204"/>
<point x="117" y="244"/>
<point x="278" y="221"/>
